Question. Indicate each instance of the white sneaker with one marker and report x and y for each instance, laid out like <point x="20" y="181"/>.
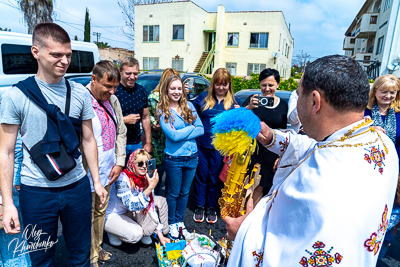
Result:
<point x="184" y="231"/>
<point x="146" y="240"/>
<point x="173" y="231"/>
<point x="114" y="240"/>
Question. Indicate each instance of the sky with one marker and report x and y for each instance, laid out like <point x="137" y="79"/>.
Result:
<point x="317" y="26"/>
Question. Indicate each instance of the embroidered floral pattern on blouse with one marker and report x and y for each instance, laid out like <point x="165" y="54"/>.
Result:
<point x="284" y="144"/>
<point x="373" y="243"/>
<point x="376" y="156"/>
<point x="320" y="257"/>
<point x="108" y="131"/>
<point x="258" y="257"/>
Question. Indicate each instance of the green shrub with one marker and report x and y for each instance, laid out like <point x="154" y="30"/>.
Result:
<point x="240" y="83"/>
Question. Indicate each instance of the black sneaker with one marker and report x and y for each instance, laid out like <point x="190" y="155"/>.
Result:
<point x="211" y="215"/>
<point x="198" y="215"/>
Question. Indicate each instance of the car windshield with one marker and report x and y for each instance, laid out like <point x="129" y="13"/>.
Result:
<point x="82" y="80"/>
<point x="149" y="83"/>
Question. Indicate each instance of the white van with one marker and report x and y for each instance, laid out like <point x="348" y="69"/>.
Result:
<point x="17" y="62"/>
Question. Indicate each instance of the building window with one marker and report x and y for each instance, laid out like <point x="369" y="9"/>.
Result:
<point x="367" y="58"/>
<point x="255" y="68"/>
<point x="231" y="67"/>
<point x="287" y="51"/>
<point x="259" y="40"/>
<point x="177" y="64"/>
<point x="233" y="39"/>
<point x="150" y="63"/>
<point x="379" y="47"/>
<point x="373" y="19"/>
<point x="151" y="33"/>
<point x="279" y="45"/>
<point x="178" y="32"/>
<point x="387" y="5"/>
<point x="352" y="40"/>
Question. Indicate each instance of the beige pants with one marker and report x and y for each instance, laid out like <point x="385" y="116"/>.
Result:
<point x="124" y="227"/>
<point x="149" y="223"/>
<point x="98" y="217"/>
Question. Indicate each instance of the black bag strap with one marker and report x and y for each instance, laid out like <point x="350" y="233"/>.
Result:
<point x="106" y="110"/>
<point x="68" y="100"/>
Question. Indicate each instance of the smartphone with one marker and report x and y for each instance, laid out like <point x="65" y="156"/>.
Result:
<point x="266" y="101"/>
<point x="151" y="167"/>
<point x="190" y="82"/>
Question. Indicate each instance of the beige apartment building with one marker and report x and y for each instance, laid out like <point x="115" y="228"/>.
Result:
<point x="373" y="37"/>
<point x="184" y="36"/>
<point x="115" y="54"/>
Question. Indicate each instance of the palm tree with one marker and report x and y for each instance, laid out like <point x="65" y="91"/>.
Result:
<point x="36" y="11"/>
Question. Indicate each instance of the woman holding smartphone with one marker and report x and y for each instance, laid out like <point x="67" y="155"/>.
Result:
<point x="275" y="116"/>
<point x="181" y="125"/>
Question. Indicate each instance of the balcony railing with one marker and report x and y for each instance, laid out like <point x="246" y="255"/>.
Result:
<point x="364" y="58"/>
<point x="367" y="25"/>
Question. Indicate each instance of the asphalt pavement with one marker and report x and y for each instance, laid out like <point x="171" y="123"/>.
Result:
<point x="139" y="255"/>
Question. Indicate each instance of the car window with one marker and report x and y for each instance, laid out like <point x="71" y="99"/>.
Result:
<point x="82" y="80"/>
<point x="149" y="84"/>
<point x="200" y="85"/>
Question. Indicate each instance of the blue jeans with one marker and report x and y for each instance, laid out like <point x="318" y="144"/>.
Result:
<point x="41" y="208"/>
<point x="180" y="172"/>
<point x="7" y="257"/>
<point x="130" y="149"/>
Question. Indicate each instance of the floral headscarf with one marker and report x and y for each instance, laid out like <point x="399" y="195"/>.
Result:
<point x="137" y="181"/>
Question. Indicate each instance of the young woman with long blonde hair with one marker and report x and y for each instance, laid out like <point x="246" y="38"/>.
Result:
<point x="208" y="104"/>
<point x="181" y="125"/>
<point x="157" y="135"/>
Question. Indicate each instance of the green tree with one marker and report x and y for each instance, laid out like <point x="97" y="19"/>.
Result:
<point x="102" y="44"/>
<point x="5" y="29"/>
<point x="36" y="11"/>
<point x="86" y="34"/>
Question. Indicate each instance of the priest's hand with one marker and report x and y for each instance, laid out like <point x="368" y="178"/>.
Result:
<point x="233" y="224"/>
<point x="265" y="136"/>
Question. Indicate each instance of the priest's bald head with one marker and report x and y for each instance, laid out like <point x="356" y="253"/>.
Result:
<point x="333" y="93"/>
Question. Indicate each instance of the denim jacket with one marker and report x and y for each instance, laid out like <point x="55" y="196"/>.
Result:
<point x="181" y="141"/>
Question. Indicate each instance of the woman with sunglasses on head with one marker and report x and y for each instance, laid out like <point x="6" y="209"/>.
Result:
<point x="218" y="98"/>
<point x="181" y="125"/>
<point x="134" y="213"/>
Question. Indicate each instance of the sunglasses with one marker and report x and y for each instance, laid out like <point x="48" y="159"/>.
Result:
<point x="142" y="163"/>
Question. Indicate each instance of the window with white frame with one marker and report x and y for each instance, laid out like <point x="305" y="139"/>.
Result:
<point x="177" y="64"/>
<point x="255" y="68"/>
<point x="259" y="40"/>
<point x="279" y="45"/>
<point x="150" y="63"/>
<point x="178" y="32"/>
<point x="151" y="33"/>
<point x="231" y="67"/>
<point x="233" y="39"/>
<point x="379" y="46"/>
